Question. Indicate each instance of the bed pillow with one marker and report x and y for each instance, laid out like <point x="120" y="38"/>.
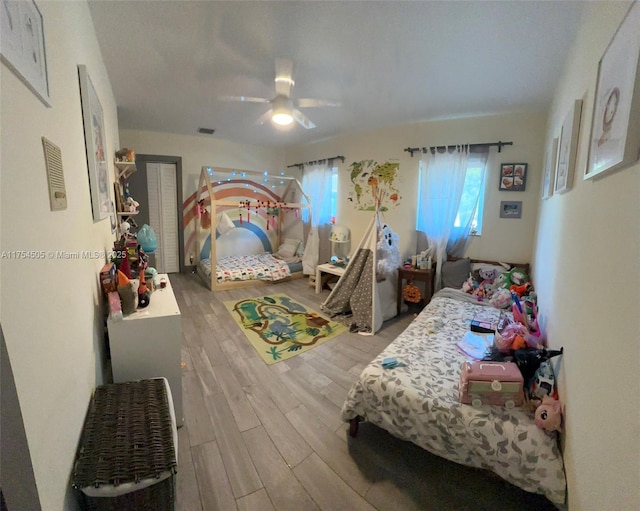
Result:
<point x="225" y="224"/>
<point x="454" y="273"/>
<point x="488" y="267"/>
<point x="288" y="248"/>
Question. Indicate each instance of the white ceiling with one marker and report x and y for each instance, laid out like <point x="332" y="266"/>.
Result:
<point x="388" y="62"/>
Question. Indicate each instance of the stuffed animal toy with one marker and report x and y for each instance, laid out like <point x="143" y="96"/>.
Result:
<point x="131" y="204"/>
<point x="521" y="290"/>
<point x="501" y="298"/>
<point x="127" y="293"/>
<point x="516" y="276"/>
<point x="549" y="414"/>
<point x="388" y="253"/>
<point x="125" y="154"/>
<point x="489" y="275"/>
<point x="512" y="337"/>
<point x="469" y="285"/>
<point x="484" y="290"/>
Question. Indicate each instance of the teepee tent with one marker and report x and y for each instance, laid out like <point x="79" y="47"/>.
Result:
<point x="359" y="291"/>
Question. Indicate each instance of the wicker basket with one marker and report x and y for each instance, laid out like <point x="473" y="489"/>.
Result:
<point x="127" y="438"/>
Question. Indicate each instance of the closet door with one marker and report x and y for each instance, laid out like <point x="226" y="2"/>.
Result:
<point x="163" y="216"/>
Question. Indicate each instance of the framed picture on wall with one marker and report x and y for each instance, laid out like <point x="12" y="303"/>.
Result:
<point x="513" y="177"/>
<point x="568" y="148"/>
<point x="510" y="209"/>
<point x="549" y="169"/>
<point x="22" y="45"/>
<point x="95" y="144"/>
<point x="615" y="125"/>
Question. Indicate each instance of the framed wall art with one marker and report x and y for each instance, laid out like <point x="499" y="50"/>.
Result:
<point x="513" y="177"/>
<point x="22" y="45"/>
<point x="510" y="209"/>
<point x="568" y="148"/>
<point x="549" y="169"/>
<point x="615" y="125"/>
<point x="95" y="140"/>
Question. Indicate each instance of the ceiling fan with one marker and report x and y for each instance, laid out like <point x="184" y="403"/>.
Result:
<point x="284" y="109"/>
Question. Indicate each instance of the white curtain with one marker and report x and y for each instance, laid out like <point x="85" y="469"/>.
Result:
<point x="316" y="183"/>
<point x="442" y="177"/>
<point x="472" y="196"/>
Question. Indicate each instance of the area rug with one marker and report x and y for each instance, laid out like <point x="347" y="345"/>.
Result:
<point x="279" y="328"/>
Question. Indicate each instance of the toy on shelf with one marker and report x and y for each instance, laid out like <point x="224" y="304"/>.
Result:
<point x="131" y="205"/>
<point x="126" y="155"/>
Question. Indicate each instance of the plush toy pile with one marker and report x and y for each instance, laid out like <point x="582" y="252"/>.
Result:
<point x="520" y="339"/>
<point x="498" y="287"/>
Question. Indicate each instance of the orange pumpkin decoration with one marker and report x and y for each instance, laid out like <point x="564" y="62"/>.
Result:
<point x="412" y="293"/>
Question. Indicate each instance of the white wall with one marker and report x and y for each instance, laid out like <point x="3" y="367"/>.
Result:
<point x="51" y="308"/>
<point x="199" y="150"/>
<point x="505" y="239"/>
<point x="587" y="272"/>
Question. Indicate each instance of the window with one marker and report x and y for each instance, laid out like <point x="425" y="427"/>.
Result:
<point x="474" y="187"/>
<point x="438" y="192"/>
<point x="320" y="183"/>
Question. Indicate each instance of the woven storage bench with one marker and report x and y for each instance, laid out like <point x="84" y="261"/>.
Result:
<point x="126" y="459"/>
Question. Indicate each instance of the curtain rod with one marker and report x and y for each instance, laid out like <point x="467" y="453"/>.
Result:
<point x="328" y="160"/>
<point x="433" y="148"/>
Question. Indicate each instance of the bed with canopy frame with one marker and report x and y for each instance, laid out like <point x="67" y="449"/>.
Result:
<point x="250" y="227"/>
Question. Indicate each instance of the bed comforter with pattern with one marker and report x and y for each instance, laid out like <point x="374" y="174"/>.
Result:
<point x="419" y="403"/>
<point x="249" y="267"/>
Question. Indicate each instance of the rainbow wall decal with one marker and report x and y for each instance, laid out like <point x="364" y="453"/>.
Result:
<point x="240" y="190"/>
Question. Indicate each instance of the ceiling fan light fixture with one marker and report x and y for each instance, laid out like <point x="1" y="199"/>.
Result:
<point x="282" y="111"/>
<point x="283" y="118"/>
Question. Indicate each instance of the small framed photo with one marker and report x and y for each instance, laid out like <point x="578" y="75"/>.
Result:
<point x="548" y="179"/>
<point x="510" y="209"/>
<point x="513" y="177"/>
<point x="568" y="148"/>
<point x="615" y="125"/>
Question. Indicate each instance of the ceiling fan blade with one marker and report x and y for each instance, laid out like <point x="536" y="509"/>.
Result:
<point x="244" y="99"/>
<point x="284" y="77"/>
<point x="302" y="119"/>
<point x="264" y="117"/>
<point x="311" y="103"/>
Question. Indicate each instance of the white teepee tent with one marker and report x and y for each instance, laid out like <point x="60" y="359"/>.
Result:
<point x="360" y="292"/>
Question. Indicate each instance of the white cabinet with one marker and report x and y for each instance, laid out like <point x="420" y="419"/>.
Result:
<point x="146" y="344"/>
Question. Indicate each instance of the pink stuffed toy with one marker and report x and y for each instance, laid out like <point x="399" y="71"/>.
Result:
<point x="549" y="414"/>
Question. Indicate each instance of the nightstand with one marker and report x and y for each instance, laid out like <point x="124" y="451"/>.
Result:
<point x="412" y="274"/>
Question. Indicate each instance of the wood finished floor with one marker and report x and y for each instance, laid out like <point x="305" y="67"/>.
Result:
<point x="261" y="438"/>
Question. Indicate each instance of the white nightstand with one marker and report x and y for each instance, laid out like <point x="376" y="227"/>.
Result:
<point x="327" y="268"/>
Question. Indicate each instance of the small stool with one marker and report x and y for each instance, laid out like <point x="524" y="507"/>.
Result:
<point x="127" y="456"/>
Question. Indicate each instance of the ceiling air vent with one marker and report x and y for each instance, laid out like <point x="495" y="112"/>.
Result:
<point x="55" y="175"/>
<point x="206" y="131"/>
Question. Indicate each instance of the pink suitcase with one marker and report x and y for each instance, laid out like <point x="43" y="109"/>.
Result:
<point x="491" y="383"/>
